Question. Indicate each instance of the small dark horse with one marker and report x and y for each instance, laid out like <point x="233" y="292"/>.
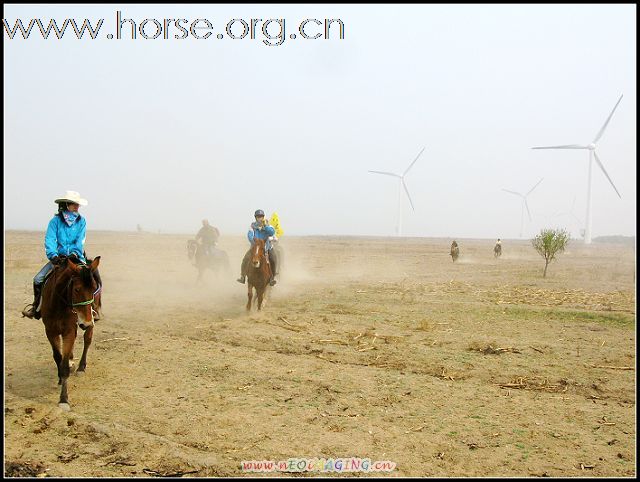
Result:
<point x="67" y="300"/>
<point x="258" y="273"/>
<point x="497" y="250"/>
<point x="217" y="260"/>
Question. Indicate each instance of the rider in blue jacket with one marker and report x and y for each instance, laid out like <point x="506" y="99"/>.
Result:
<point x="66" y="234"/>
<point x="259" y="229"/>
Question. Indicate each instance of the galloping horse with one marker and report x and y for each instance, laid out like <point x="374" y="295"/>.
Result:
<point x="67" y="299"/>
<point x="497" y="250"/>
<point x="216" y="260"/>
<point x="455" y="251"/>
<point x="258" y="273"/>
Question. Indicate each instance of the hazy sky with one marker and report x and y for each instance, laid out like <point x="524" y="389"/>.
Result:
<point x="166" y="132"/>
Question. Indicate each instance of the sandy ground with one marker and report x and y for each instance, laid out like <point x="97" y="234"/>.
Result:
<point x="374" y="348"/>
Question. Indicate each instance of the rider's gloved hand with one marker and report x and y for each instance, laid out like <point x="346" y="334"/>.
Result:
<point x="55" y="260"/>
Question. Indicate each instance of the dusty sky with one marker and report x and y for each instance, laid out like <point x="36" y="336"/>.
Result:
<point x="166" y="132"/>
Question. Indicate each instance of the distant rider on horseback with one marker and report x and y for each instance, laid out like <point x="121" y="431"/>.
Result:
<point x="65" y="237"/>
<point x="207" y="236"/>
<point x="259" y="229"/>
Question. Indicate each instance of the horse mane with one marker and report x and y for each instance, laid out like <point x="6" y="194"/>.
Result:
<point x="85" y="275"/>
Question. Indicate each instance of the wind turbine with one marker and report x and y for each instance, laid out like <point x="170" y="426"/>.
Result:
<point x="401" y="185"/>
<point x="524" y="204"/>
<point x="570" y="213"/>
<point x="592" y="154"/>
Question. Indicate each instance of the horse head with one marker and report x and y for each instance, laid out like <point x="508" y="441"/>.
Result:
<point x="257" y="252"/>
<point x="82" y="288"/>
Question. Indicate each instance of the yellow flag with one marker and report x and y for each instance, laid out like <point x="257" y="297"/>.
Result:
<point x="275" y="223"/>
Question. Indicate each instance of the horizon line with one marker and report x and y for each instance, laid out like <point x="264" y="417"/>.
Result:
<point x="182" y="233"/>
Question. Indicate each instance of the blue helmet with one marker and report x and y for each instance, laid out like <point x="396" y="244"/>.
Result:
<point x="259" y="212"/>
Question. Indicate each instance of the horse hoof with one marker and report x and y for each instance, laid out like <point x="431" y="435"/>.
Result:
<point x="79" y="373"/>
<point x="65" y="406"/>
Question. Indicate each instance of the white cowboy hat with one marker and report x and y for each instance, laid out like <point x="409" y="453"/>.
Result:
<point x="73" y="197"/>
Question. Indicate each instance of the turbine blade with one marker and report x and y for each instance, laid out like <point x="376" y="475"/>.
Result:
<point x="414" y="161"/>
<point x="534" y="187"/>
<point x="385" y="173"/>
<point x="513" y="192"/>
<point x="527" y="206"/>
<point x="407" y="191"/>
<point x="599" y="135"/>
<point x="605" y="173"/>
<point x="568" y="146"/>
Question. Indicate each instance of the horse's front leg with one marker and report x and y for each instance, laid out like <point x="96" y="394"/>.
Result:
<point x="68" y="340"/>
<point x="249" y="295"/>
<point x="54" y="340"/>
<point x="88" y="336"/>
<point x="260" y="297"/>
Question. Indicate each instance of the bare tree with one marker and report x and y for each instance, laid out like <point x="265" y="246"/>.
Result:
<point x="549" y="243"/>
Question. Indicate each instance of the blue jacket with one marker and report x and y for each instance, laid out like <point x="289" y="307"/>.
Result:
<point x="62" y="239"/>
<point x="264" y="233"/>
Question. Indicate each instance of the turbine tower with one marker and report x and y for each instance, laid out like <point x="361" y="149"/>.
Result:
<point x="401" y="185"/>
<point x="592" y="155"/>
<point x="570" y="214"/>
<point x="524" y="204"/>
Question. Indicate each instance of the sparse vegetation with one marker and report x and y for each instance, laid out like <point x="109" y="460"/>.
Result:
<point x="549" y="243"/>
<point x="361" y="352"/>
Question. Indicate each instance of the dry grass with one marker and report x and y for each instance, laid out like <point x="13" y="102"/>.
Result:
<point x="377" y="348"/>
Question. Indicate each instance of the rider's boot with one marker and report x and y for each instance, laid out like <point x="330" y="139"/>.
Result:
<point x="32" y="312"/>
<point x="244" y="267"/>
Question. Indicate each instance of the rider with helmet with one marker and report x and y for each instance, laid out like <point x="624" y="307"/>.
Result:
<point x="259" y="229"/>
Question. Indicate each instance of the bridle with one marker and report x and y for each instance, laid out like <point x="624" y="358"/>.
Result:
<point x="79" y="303"/>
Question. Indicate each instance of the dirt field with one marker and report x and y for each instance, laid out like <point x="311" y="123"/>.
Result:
<point x="374" y="348"/>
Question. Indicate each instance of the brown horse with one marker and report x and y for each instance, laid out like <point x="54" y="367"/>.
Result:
<point x="259" y="272"/>
<point x="67" y="301"/>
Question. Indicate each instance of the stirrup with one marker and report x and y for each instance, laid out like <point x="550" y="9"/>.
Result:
<point x="241" y="279"/>
<point x="29" y="313"/>
<point x="272" y="281"/>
